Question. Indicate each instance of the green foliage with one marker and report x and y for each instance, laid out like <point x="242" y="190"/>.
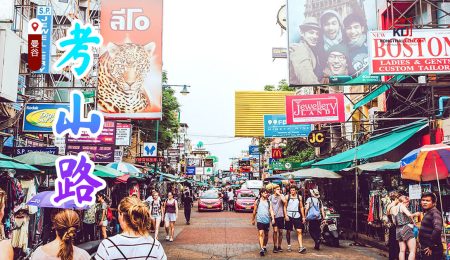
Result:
<point x="282" y="86"/>
<point x="303" y="155"/>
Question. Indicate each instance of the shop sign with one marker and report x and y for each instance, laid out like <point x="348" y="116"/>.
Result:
<point x="24" y="150"/>
<point x="317" y="138"/>
<point x="272" y="160"/>
<point x="244" y="163"/>
<point x="285" y="166"/>
<point x="276" y="126"/>
<point x="97" y="153"/>
<point x="173" y="152"/>
<point x="208" y="162"/>
<point x="118" y="155"/>
<point x="208" y="170"/>
<point x="199" y="171"/>
<point x="150" y="149"/>
<point x="193" y="161"/>
<point x="39" y="117"/>
<point x="423" y="52"/>
<point x="45" y="15"/>
<point x="314" y="109"/>
<point x="107" y="136"/>
<point x="123" y="134"/>
<point x="60" y="142"/>
<point x="190" y="170"/>
<point x="156" y="159"/>
<point x="277" y="153"/>
<point x="34" y="44"/>
<point x="253" y="150"/>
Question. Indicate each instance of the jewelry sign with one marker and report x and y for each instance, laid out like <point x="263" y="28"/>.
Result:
<point x="314" y="109"/>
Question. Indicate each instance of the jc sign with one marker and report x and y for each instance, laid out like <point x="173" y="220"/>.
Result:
<point x="316" y="138"/>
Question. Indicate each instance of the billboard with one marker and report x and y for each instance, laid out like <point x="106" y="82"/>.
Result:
<point x="314" y="109"/>
<point x="38" y="117"/>
<point x="45" y="15"/>
<point x="250" y="108"/>
<point x="123" y="133"/>
<point x="107" y="136"/>
<point x="130" y="65"/>
<point x="327" y="39"/>
<point x="276" y="126"/>
<point x="424" y="52"/>
<point x="98" y="154"/>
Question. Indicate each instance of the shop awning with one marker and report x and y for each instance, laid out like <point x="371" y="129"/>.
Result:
<point x="376" y="146"/>
<point x="372" y="95"/>
<point x="369" y="167"/>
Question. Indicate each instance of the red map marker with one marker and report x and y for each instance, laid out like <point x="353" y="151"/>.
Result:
<point x="34" y="44"/>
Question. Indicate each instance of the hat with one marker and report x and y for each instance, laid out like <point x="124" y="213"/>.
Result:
<point x="309" y="23"/>
<point x="315" y="193"/>
<point x="341" y="48"/>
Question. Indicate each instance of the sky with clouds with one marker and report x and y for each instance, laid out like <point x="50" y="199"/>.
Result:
<point x="218" y="47"/>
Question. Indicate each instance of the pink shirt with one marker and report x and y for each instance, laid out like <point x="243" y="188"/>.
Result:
<point x="78" y="254"/>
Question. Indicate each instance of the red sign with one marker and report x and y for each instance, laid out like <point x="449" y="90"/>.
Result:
<point x="313" y="109"/>
<point x="34" y="44"/>
<point x="107" y="136"/>
<point x="277" y="153"/>
<point x="142" y="160"/>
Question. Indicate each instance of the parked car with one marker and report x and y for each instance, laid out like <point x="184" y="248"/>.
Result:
<point x="245" y="200"/>
<point x="210" y="200"/>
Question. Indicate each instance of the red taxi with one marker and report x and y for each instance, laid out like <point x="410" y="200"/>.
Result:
<point x="245" y="200"/>
<point x="210" y="200"/>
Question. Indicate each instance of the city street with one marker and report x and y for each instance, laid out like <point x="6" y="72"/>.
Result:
<point x="230" y="235"/>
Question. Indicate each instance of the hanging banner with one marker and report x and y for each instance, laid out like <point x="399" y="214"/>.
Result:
<point x="328" y="39"/>
<point x="107" y="136"/>
<point x="425" y="51"/>
<point x="313" y="109"/>
<point x="130" y="65"/>
<point x="34" y="44"/>
<point x="276" y="126"/>
<point x="24" y="150"/>
<point x="45" y="15"/>
<point x="39" y="117"/>
<point x="123" y="134"/>
<point x="100" y="154"/>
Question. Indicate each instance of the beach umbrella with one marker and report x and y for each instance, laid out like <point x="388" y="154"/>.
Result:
<point x="106" y="172"/>
<point x="312" y="173"/>
<point x="43" y="200"/>
<point x="37" y="158"/>
<point x="277" y="177"/>
<point x="427" y="163"/>
<point x="17" y="166"/>
<point x="124" y="167"/>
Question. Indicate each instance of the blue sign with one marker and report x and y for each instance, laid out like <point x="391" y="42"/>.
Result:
<point x="39" y="117"/>
<point x="253" y="150"/>
<point x="45" y="15"/>
<point x="190" y="170"/>
<point x="276" y="126"/>
<point x="25" y="150"/>
<point x="271" y="160"/>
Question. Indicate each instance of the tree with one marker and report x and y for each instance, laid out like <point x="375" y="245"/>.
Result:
<point x="169" y="125"/>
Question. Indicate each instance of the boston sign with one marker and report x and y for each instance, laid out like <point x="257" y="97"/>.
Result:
<point x="311" y="109"/>
<point x="426" y="51"/>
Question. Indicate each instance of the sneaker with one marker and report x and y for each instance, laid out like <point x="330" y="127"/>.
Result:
<point x="265" y="250"/>
<point x="171" y="240"/>
<point x="275" y="249"/>
<point x="289" y="249"/>
<point x="262" y="252"/>
<point x="280" y="249"/>
<point x="302" y="250"/>
<point x="167" y="238"/>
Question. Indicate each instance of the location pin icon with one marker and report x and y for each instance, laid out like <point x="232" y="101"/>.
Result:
<point x="35" y="26"/>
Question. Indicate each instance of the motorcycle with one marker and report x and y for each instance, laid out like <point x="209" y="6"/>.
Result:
<point x="329" y="228"/>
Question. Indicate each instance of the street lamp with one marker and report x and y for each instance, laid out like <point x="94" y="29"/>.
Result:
<point x="184" y="91"/>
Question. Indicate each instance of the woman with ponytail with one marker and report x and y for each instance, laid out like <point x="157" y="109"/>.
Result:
<point x="65" y="224"/>
<point x="135" y="241"/>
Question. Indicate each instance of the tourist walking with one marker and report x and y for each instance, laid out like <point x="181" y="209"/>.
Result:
<point x="156" y="212"/>
<point x="6" y="249"/>
<point x="263" y="213"/>
<point x="230" y="199"/>
<point x="102" y="213"/>
<point x="404" y="223"/>
<point x="314" y="215"/>
<point x="135" y="241"/>
<point x="277" y="200"/>
<point x="89" y="223"/>
<point x="295" y="217"/>
<point x="394" y="248"/>
<point x="170" y="216"/>
<point x="65" y="223"/>
<point x="187" y="205"/>
<point x="430" y="229"/>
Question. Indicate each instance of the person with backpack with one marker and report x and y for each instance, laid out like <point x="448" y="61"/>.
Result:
<point x="135" y="242"/>
<point x="156" y="212"/>
<point x="263" y="213"/>
<point x="314" y="214"/>
<point x="277" y="200"/>
<point x="295" y="217"/>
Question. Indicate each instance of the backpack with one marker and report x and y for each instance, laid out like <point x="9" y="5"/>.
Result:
<point x="257" y="204"/>
<point x="299" y="202"/>
<point x="313" y="211"/>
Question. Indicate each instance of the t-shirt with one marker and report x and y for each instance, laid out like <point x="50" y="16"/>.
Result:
<point x="277" y="205"/>
<point x="293" y="206"/>
<point x="155" y="208"/>
<point x="104" y="208"/>
<point x="89" y="215"/>
<point x="263" y="213"/>
<point x="78" y="254"/>
<point x="231" y="195"/>
<point x="136" y="248"/>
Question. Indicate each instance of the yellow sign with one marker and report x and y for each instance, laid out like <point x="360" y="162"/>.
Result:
<point x="250" y="108"/>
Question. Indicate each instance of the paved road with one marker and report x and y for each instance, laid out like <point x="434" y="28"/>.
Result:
<point x="230" y="235"/>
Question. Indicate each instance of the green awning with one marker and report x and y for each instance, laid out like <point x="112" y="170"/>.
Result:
<point x="390" y="167"/>
<point x="106" y="172"/>
<point x="17" y="166"/>
<point x="372" y="95"/>
<point x="376" y="146"/>
<point x="308" y="163"/>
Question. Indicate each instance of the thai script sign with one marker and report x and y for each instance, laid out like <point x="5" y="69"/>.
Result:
<point x="308" y="109"/>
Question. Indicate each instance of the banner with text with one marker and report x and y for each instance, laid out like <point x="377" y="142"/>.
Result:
<point x="314" y="109"/>
<point x="39" y="117"/>
<point x="276" y="126"/>
<point x="426" y="51"/>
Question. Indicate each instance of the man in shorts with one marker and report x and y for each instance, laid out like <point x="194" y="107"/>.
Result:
<point x="277" y="201"/>
<point x="295" y="217"/>
<point x="264" y="214"/>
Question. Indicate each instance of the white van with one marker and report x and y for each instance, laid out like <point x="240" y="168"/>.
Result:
<point x="253" y="185"/>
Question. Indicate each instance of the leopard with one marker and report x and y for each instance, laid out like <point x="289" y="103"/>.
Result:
<point x="121" y="74"/>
